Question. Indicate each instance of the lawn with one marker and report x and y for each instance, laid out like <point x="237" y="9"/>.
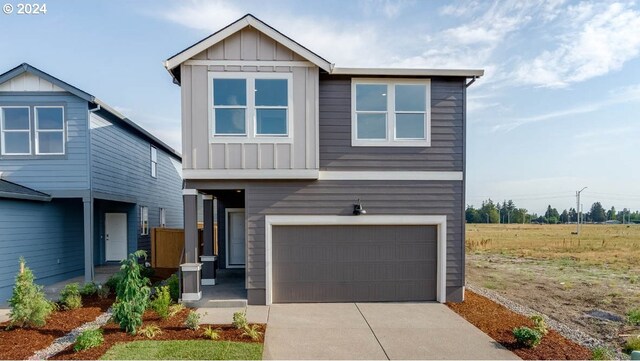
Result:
<point x="184" y="350"/>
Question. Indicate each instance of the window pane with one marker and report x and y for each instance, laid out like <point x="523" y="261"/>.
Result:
<point x="229" y="92"/>
<point x="154" y="154"/>
<point x="15" y="118"/>
<point x="411" y="98"/>
<point x="49" y="118"/>
<point x="16" y="142"/>
<point x="154" y="169"/>
<point x="230" y="121"/>
<point x="371" y="97"/>
<point x="271" y="92"/>
<point x="50" y="142"/>
<point x="372" y="126"/>
<point x="271" y="121"/>
<point x="410" y="126"/>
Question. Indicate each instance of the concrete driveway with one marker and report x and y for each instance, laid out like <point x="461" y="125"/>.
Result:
<point x="376" y="331"/>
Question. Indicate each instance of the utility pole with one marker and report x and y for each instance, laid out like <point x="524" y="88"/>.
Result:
<point x="578" y="210"/>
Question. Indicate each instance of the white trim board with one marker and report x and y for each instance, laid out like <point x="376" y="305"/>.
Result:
<point x="294" y="63"/>
<point x="249" y="174"/>
<point x="320" y="175"/>
<point x="397" y="220"/>
<point x="390" y="175"/>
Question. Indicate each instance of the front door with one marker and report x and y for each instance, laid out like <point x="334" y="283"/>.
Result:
<point x="115" y="236"/>
<point x="235" y="238"/>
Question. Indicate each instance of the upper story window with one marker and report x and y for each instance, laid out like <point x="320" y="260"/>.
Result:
<point x="391" y="112"/>
<point x="154" y="162"/>
<point x="27" y="132"/>
<point x="163" y="217"/>
<point x="250" y="106"/>
<point x="144" y="220"/>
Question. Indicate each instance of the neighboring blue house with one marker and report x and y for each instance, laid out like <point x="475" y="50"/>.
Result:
<point x="80" y="184"/>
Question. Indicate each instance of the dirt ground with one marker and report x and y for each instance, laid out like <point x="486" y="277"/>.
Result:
<point x="564" y="284"/>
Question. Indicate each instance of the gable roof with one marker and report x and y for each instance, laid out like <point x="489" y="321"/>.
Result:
<point x="16" y="191"/>
<point x="104" y="108"/>
<point x="245" y="21"/>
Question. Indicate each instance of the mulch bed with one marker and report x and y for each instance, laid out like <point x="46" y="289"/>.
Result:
<point x="498" y="322"/>
<point x="21" y="343"/>
<point x="172" y="329"/>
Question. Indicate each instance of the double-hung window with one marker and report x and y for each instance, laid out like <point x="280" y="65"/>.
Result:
<point x="154" y="162"/>
<point x="251" y="106"/>
<point x="144" y="220"/>
<point x="16" y="130"/>
<point x="49" y="133"/>
<point x="390" y="112"/>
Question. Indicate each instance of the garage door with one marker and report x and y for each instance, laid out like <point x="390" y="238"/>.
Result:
<point x="354" y="263"/>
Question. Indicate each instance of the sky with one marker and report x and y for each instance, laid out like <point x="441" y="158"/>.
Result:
<point x="556" y="111"/>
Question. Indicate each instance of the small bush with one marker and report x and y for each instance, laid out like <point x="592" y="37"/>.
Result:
<point x="211" y="333"/>
<point x="193" y="320"/>
<point x="527" y="336"/>
<point x="632" y="344"/>
<point x="150" y="331"/>
<point x="174" y="287"/>
<point x="162" y="302"/>
<point x="104" y="291"/>
<point x="132" y="294"/>
<point x="113" y="281"/>
<point x="29" y="306"/>
<point x="70" y="296"/>
<point x="88" y="339"/>
<point x="175" y="309"/>
<point x="540" y="324"/>
<point x="252" y="332"/>
<point x="89" y="289"/>
<point x="603" y="353"/>
<point x="633" y="316"/>
<point x="240" y="320"/>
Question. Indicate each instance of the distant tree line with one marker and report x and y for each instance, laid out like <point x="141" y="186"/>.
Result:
<point x="507" y="212"/>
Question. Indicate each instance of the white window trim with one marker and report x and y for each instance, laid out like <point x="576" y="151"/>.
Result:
<point x="4" y="131"/>
<point x="390" y="140"/>
<point x="37" y="131"/>
<point x="250" y="135"/>
<point x="143" y="231"/>
<point x="288" y="220"/>
<point x="152" y="162"/>
<point x="163" y="217"/>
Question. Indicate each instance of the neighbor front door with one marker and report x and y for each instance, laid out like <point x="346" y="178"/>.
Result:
<point x="115" y="236"/>
<point x="236" y="238"/>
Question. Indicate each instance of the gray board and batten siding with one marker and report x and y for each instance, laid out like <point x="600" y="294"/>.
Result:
<point x="200" y="153"/>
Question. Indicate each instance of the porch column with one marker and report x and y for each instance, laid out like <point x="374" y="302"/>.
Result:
<point x="191" y="267"/>
<point x="87" y="204"/>
<point x="208" y="259"/>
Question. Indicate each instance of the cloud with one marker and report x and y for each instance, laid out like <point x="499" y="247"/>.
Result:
<point x="164" y="128"/>
<point x="599" y="39"/>
<point x="388" y="8"/>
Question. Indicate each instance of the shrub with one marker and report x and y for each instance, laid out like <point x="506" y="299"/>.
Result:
<point x="89" y="289"/>
<point x="602" y="353"/>
<point x="104" y="291"/>
<point x="175" y="309"/>
<point x="132" y="294"/>
<point x="240" y="320"/>
<point x="193" y="320"/>
<point x="634" y="316"/>
<point x="150" y="331"/>
<point x="113" y="281"/>
<point x="527" y="336"/>
<point x="252" y="332"/>
<point x="70" y="296"/>
<point x="540" y="324"/>
<point x="162" y="302"/>
<point x="88" y="339"/>
<point x="632" y="344"/>
<point x="211" y="333"/>
<point x="174" y="287"/>
<point x="29" y="306"/>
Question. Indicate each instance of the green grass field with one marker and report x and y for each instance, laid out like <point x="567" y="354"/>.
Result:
<point x="184" y="350"/>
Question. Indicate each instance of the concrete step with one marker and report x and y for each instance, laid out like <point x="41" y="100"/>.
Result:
<point x="237" y="303"/>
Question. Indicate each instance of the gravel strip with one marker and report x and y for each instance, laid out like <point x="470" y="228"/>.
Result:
<point x="65" y="341"/>
<point x="566" y="331"/>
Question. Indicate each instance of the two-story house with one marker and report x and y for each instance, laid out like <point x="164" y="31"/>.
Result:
<point x="332" y="184"/>
<point x="80" y="184"/>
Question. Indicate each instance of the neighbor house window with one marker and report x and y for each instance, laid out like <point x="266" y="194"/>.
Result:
<point x="154" y="162"/>
<point x="15" y="125"/>
<point x="390" y="112"/>
<point x="49" y="133"/>
<point x="144" y="220"/>
<point x="163" y="217"/>
<point x="250" y="105"/>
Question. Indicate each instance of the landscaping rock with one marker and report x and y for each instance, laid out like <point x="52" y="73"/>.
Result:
<point x="604" y="316"/>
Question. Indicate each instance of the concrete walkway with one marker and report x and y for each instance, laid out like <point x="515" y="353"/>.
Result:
<point x="4" y="314"/>
<point x="377" y="331"/>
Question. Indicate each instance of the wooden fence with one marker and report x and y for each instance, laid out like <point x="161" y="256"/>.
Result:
<point x="167" y="245"/>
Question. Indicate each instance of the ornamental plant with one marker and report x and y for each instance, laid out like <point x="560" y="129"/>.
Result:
<point x="29" y="306"/>
<point x="240" y="320"/>
<point x="527" y="337"/>
<point x="161" y="304"/>
<point x="88" y="339"/>
<point x="132" y="294"/>
<point x="70" y="296"/>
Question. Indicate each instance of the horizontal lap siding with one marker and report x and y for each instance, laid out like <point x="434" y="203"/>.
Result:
<point x="44" y="233"/>
<point x="447" y="143"/>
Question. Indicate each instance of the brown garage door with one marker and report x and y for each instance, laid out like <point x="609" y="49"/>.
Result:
<point x="354" y="263"/>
